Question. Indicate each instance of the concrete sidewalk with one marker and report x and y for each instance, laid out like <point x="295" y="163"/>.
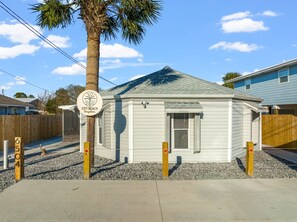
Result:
<point x="205" y="200"/>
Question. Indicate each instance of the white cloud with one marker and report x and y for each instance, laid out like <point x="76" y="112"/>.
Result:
<point x="110" y="61"/>
<point x="111" y="51"/>
<point x="136" y="77"/>
<point x="228" y="59"/>
<point x="235" y="46"/>
<point x="294" y="45"/>
<point x="269" y="13"/>
<point x="17" y="33"/>
<point x="246" y="73"/>
<point x="113" y="79"/>
<point x="243" y="25"/>
<point x="7" y="86"/>
<point x="238" y="15"/>
<point x="12" y="52"/>
<point x="70" y="70"/>
<point x="20" y="80"/>
<point x="60" y="41"/>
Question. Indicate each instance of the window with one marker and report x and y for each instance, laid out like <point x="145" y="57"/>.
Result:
<point x="247" y="83"/>
<point x="100" y="127"/>
<point x="283" y="75"/>
<point x="180" y="131"/>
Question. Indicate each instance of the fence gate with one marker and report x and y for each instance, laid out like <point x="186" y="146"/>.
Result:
<point x="279" y="131"/>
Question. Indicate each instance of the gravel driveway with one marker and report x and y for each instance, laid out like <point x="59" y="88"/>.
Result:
<point x="69" y="166"/>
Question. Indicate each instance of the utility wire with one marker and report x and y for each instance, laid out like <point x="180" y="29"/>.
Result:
<point x="21" y="79"/>
<point x="32" y="84"/>
<point x="42" y="37"/>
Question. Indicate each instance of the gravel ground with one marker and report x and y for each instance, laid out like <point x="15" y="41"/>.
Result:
<point x="69" y="166"/>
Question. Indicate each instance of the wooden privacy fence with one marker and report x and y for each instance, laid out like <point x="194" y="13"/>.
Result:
<point x="279" y="131"/>
<point x="30" y="127"/>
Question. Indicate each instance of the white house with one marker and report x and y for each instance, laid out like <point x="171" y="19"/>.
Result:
<point x="201" y="121"/>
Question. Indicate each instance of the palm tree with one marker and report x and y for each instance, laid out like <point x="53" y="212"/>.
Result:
<point x="101" y="18"/>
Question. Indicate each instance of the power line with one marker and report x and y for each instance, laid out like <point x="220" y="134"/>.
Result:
<point x="21" y="79"/>
<point x="42" y="37"/>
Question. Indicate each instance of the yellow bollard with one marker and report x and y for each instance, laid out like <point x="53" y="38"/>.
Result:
<point x="249" y="159"/>
<point x="18" y="159"/>
<point x="165" y="165"/>
<point x="87" y="161"/>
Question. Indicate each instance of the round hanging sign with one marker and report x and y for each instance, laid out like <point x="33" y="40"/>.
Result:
<point x="89" y="102"/>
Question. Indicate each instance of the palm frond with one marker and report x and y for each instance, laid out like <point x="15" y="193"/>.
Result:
<point x="54" y="14"/>
<point x="133" y="15"/>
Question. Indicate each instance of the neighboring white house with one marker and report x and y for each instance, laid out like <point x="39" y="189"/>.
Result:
<point x="202" y="121"/>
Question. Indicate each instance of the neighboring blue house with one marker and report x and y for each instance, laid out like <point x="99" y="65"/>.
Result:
<point x="277" y="85"/>
<point x="10" y="106"/>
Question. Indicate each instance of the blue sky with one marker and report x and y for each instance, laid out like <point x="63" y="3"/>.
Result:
<point x="203" y="38"/>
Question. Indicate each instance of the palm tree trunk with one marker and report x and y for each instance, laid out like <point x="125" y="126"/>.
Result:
<point x="93" y="55"/>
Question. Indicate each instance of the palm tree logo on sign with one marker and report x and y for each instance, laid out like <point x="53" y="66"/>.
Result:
<point x="89" y="99"/>
<point x="89" y="102"/>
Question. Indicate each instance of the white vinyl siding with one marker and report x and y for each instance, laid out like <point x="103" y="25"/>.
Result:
<point x="213" y="135"/>
<point x="149" y="131"/>
<point x="237" y="127"/>
<point x="105" y="149"/>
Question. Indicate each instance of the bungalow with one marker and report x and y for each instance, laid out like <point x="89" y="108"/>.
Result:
<point x="10" y="106"/>
<point x="201" y="121"/>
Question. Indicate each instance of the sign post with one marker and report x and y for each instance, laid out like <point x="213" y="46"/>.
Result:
<point x="19" y="159"/>
<point x="249" y="159"/>
<point x="87" y="162"/>
<point x="5" y="155"/>
<point x="165" y="164"/>
<point x="89" y="103"/>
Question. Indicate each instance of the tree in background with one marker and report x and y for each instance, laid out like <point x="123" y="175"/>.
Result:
<point x="228" y="76"/>
<point x="101" y="18"/>
<point x="20" y="95"/>
<point x="31" y="96"/>
<point x="63" y="96"/>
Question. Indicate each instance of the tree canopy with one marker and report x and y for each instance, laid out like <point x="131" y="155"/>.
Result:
<point x="63" y="96"/>
<point x="228" y="76"/>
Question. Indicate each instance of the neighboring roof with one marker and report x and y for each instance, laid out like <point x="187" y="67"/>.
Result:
<point x="67" y="107"/>
<point x="256" y="107"/>
<point x="174" y="107"/>
<point x="170" y="83"/>
<point x="7" y="101"/>
<point x="27" y="100"/>
<point x="265" y="70"/>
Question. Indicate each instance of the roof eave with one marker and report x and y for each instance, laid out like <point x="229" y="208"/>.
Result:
<point x="265" y="70"/>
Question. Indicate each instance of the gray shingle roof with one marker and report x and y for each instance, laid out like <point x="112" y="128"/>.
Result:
<point x="168" y="81"/>
<point x="7" y="101"/>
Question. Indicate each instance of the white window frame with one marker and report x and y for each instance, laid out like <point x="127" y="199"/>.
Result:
<point x="172" y="132"/>
<point x="279" y="77"/>
<point x="101" y="120"/>
<point x="248" y="82"/>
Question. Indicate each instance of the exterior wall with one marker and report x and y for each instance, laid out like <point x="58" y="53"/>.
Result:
<point x="267" y="86"/>
<point x="105" y="149"/>
<point x="3" y="110"/>
<point x="149" y="131"/>
<point x="214" y="131"/>
<point x="247" y="130"/>
<point x="12" y="110"/>
<point x="255" y="129"/>
<point x="237" y="129"/>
